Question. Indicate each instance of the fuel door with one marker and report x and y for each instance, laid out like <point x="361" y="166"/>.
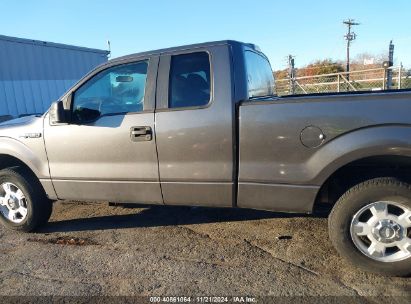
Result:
<point x="312" y="137"/>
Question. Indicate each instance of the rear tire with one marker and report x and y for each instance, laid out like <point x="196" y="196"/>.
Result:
<point x="24" y="205"/>
<point x="370" y="226"/>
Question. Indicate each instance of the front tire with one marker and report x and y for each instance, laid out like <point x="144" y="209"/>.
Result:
<point x="23" y="204"/>
<point x="370" y="225"/>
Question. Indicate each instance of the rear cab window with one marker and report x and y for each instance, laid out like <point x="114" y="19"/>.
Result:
<point x="260" y="78"/>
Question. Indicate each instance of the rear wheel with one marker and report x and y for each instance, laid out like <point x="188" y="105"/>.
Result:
<point x="370" y="225"/>
<point x="23" y="204"/>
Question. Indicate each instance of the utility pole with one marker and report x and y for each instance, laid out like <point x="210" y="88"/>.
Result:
<point x="291" y="74"/>
<point x="350" y="36"/>
<point x="390" y="64"/>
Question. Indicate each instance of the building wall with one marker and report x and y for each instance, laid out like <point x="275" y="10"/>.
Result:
<point x="33" y="74"/>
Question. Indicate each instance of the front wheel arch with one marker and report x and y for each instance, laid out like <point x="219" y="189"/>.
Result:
<point x="9" y="162"/>
<point x="38" y="206"/>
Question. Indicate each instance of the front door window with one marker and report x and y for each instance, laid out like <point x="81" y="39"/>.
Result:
<point x="119" y="89"/>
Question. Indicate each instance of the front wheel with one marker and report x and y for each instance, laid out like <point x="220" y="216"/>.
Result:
<point x="23" y="204"/>
<point x="370" y="225"/>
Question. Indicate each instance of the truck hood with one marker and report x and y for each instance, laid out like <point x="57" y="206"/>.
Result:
<point x="18" y="127"/>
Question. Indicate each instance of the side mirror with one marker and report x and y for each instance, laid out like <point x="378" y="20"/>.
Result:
<point x="57" y="113"/>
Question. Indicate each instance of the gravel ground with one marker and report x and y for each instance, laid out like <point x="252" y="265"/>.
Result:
<point x="97" y="249"/>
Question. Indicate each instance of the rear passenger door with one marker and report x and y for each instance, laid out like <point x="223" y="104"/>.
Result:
<point x="194" y="126"/>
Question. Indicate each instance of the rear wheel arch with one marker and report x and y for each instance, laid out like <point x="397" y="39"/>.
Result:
<point x="359" y="170"/>
<point x="386" y="141"/>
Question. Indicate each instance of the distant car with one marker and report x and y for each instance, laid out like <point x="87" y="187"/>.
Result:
<point x="201" y="125"/>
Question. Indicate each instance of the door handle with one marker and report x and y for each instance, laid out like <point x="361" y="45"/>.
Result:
<point x="141" y="134"/>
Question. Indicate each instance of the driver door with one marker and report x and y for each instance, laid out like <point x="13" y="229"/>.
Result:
<point x="108" y="150"/>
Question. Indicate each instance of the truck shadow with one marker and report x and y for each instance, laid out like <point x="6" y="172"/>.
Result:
<point x="160" y="216"/>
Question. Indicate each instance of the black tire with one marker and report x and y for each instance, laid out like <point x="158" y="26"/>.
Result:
<point x="39" y="207"/>
<point x="339" y="222"/>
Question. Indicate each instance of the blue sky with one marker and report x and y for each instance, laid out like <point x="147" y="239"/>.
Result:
<point x="309" y="30"/>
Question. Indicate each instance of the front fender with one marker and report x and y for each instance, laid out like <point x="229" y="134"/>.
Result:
<point x="358" y="144"/>
<point x="33" y="156"/>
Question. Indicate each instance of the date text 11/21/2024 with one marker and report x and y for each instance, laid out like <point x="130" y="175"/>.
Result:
<point x="203" y="299"/>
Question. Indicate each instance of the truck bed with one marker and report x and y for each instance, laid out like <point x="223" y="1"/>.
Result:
<point x="289" y="146"/>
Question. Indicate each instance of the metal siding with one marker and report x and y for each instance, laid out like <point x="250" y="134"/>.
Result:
<point x="33" y="74"/>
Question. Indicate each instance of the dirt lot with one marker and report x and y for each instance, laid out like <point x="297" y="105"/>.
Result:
<point x="97" y="249"/>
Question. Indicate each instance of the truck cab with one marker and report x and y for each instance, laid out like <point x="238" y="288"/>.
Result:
<point x="157" y="127"/>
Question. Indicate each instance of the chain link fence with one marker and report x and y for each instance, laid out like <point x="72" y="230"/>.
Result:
<point x="363" y="80"/>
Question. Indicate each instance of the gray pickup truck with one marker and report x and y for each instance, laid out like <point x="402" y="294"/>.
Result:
<point x="201" y="125"/>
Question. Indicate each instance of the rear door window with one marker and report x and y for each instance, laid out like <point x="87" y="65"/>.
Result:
<point x="190" y="83"/>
